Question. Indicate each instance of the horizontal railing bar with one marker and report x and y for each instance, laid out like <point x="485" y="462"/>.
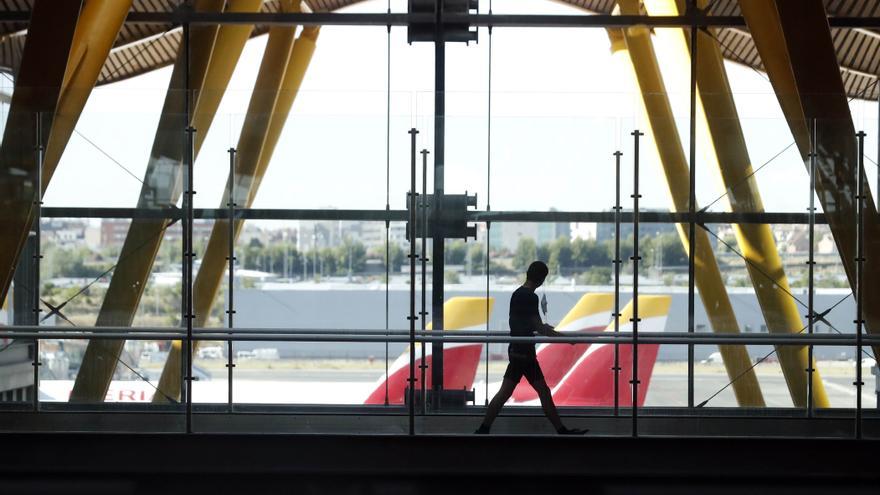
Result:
<point x="471" y="216"/>
<point x="399" y="336"/>
<point x="216" y="213"/>
<point x="644" y="216"/>
<point x="604" y="338"/>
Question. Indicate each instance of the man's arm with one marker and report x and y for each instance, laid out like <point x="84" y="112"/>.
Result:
<point x="546" y="330"/>
<point x="539" y="325"/>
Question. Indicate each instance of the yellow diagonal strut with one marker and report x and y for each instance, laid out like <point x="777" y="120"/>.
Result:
<point x="274" y="92"/>
<point x="755" y="241"/>
<point x="96" y="31"/>
<point x="636" y="42"/>
<point x="796" y="47"/>
<point x="162" y="187"/>
<point x="37" y="87"/>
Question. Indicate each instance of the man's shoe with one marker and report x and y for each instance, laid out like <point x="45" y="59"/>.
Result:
<point x="572" y="431"/>
<point x="482" y="430"/>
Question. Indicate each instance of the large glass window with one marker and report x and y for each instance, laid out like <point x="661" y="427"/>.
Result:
<point x="706" y="251"/>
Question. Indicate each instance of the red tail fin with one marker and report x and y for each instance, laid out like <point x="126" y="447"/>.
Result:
<point x="590" y="382"/>
<point x="460" y="361"/>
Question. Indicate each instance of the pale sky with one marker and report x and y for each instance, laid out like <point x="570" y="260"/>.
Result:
<point x="560" y="107"/>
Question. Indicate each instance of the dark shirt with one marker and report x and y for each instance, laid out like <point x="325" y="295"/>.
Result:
<point x="524" y="320"/>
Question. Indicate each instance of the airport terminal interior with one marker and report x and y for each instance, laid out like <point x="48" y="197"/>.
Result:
<point x="268" y="245"/>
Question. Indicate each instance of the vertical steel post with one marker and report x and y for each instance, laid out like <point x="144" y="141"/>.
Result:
<point x="423" y="213"/>
<point x="860" y="272"/>
<point x="410" y="396"/>
<point x="488" y="230"/>
<point x="635" y="300"/>
<point x="38" y="215"/>
<point x="230" y="306"/>
<point x="438" y="242"/>
<point x="488" y="190"/>
<point x="811" y="262"/>
<point x="617" y="262"/>
<point x="692" y="198"/>
<point x="187" y="227"/>
<point x="387" y="190"/>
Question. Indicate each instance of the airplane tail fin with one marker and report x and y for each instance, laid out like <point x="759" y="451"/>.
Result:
<point x="590" y="382"/>
<point x="590" y="314"/>
<point x="460" y="361"/>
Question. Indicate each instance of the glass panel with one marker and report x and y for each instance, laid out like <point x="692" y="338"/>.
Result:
<point x="712" y="381"/>
<point x="80" y="259"/>
<point x="317" y="277"/>
<point x="108" y="153"/>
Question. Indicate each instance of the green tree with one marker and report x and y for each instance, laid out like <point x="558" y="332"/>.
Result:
<point x="397" y="256"/>
<point x="353" y="254"/>
<point x="327" y="261"/>
<point x="587" y="253"/>
<point x="664" y="250"/>
<point x="477" y="258"/>
<point x="526" y="252"/>
<point x="71" y="262"/>
<point x="560" y="257"/>
<point x="543" y="253"/>
<point x="276" y="253"/>
<point x="456" y="251"/>
<point x="599" y="275"/>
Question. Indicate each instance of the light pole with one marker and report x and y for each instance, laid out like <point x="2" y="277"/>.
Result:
<point x="348" y="241"/>
<point x="315" y="250"/>
<point x="285" y="260"/>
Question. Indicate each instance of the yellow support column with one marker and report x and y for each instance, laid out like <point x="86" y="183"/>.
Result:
<point x="755" y="241"/>
<point x="96" y="31"/>
<point x="300" y="59"/>
<point x="162" y="188"/>
<point x="274" y="91"/>
<point x="231" y="39"/>
<point x="707" y="277"/>
<point x="796" y="48"/>
<point x="37" y="86"/>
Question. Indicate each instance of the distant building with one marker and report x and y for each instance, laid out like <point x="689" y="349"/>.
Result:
<point x="506" y="235"/>
<point x="63" y="232"/>
<point x="795" y="239"/>
<point x="605" y="231"/>
<point x="113" y="232"/>
<point x="372" y="234"/>
<point x="826" y="245"/>
<point x="584" y="230"/>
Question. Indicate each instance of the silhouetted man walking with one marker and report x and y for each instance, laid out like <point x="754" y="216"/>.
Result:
<point x="524" y="322"/>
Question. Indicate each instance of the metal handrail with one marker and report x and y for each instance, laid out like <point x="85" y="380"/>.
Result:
<point x="402" y="336"/>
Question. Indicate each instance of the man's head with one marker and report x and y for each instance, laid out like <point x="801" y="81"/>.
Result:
<point x="536" y="273"/>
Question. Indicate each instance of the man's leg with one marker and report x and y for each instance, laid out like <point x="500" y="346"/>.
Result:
<point x="547" y="404"/>
<point x="536" y="379"/>
<point x="497" y="402"/>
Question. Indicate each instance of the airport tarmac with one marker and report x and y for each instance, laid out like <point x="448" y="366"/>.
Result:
<point x="345" y="381"/>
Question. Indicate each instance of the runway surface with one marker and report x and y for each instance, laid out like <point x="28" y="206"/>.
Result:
<point x="349" y="382"/>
